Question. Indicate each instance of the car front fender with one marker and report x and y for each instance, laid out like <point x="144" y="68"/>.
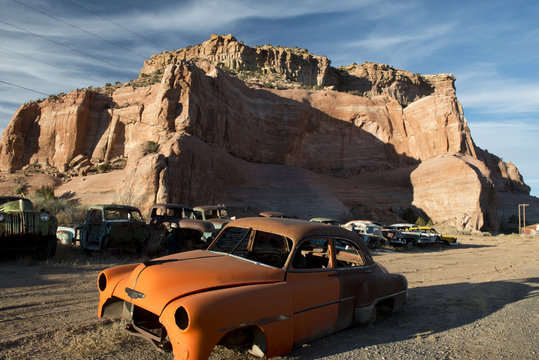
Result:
<point x="214" y="314"/>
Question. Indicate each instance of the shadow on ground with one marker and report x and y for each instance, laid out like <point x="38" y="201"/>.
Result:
<point x="429" y="311"/>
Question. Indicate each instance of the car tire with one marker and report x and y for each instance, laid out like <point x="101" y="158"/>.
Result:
<point x="374" y="316"/>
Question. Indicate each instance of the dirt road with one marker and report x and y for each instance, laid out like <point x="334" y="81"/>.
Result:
<point x="478" y="300"/>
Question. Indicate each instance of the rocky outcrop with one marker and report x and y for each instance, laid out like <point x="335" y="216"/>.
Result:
<point x="505" y="175"/>
<point x="371" y="79"/>
<point x="205" y="126"/>
<point x="225" y="51"/>
<point x="458" y="190"/>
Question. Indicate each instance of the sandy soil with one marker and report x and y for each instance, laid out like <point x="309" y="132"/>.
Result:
<point x="478" y="300"/>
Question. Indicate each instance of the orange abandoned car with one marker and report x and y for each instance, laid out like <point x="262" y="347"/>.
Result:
<point x="267" y="284"/>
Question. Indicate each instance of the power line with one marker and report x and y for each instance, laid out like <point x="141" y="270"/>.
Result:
<point x="81" y="76"/>
<point x="70" y="48"/>
<point x="80" y="29"/>
<point x="22" y="87"/>
<point x="163" y="47"/>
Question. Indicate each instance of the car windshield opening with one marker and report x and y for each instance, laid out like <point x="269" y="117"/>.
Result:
<point x="266" y="248"/>
<point x="123" y="214"/>
<point x="232" y="239"/>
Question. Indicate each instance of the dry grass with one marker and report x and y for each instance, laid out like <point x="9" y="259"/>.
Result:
<point x="105" y="340"/>
<point x="83" y="343"/>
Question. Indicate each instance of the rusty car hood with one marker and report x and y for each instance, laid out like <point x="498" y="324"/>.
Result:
<point x="158" y="282"/>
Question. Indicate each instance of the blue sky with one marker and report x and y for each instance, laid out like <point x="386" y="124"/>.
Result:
<point x="491" y="47"/>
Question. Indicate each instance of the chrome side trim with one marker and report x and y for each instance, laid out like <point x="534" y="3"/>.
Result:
<point x="316" y="307"/>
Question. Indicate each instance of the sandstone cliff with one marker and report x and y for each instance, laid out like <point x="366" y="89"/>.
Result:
<point x="374" y="138"/>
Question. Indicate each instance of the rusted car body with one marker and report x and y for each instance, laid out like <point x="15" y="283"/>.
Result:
<point x="264" y="284"/>
<point x="328" y="221"/>
<point x="22" y="228"/>
<point x="66" y="235"/>
<point x="393" y="236"/>
<point x="275" y="214"/>
<point x="413" y="237"/>
<point x="435" y="236"/>
<point x="182" y="231"/>
<point x="113" y="227"/>
<point x="370" y="232"/>
<point x="216" y="214"/>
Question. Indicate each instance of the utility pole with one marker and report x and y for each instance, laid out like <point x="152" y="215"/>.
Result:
<point x="523" y="217"/>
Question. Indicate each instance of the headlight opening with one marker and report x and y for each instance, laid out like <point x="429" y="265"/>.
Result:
<point x="182" y="318"/>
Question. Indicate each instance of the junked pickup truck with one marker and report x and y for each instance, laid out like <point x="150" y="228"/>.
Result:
<point x="23" y="229"/>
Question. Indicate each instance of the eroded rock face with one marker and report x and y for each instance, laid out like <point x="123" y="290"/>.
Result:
<point x="185" y="168"/>
<point x="209" y="124"/>
<point x="458" y="190"/>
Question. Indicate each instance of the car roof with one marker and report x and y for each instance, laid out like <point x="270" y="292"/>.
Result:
<point x="423" y="228"/>
<point x="294" y="229"/>
<point x="172" y="206"/>
<point x="5" y="199"/>
<point x="369" y="222"/>
<point x="271" y="213"/>
<point x="209" y="207"/>
<point x="113" y="206"/>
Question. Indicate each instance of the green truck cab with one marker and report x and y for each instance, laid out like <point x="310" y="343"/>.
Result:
<point x="111" y="227"/>
<point x="23" y="229"/>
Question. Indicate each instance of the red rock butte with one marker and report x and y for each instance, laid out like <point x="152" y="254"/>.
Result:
<point x="271" y="128"/>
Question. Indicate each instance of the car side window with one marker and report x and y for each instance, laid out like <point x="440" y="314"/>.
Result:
<point x="158" y="212"/>
<point x="95" y="217"/>
<point x="135" y="215"/>
<point x="347" y="254"/>
<point x="312" y="254"/>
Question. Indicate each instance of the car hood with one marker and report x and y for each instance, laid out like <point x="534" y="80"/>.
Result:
<point x="219" y="223"/>
<point x="160" y="281"/>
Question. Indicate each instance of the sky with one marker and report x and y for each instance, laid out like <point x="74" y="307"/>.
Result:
<point x="491" y="47"/>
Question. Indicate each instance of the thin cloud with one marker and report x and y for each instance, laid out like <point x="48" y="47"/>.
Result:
<point x="484" y="89"/>
<point x="388" y="43"/>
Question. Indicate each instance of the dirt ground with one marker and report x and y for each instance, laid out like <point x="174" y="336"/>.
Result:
<point x="477" y="300"/>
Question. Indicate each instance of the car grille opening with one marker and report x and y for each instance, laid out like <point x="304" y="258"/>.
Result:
<point x="148" y="323"/>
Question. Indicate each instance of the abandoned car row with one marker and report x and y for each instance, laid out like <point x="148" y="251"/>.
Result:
<point x="169" y="228"/>
<point x="263" y="284"/>
<point x="173" y="228"/>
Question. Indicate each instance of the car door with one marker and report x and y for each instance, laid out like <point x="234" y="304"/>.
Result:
<point x="314" y="288"/>
<point x="353" y="270"/>
<point x="93" y="235"/>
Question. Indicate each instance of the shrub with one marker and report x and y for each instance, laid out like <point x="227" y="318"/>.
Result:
<point x="45" y="192"/>
<point x="103" y="167"/>
<point x="67" y="212"/>
<point x="21" y="190"/>
<point x="150" y="147"/>
<point x="409" y="215"/>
